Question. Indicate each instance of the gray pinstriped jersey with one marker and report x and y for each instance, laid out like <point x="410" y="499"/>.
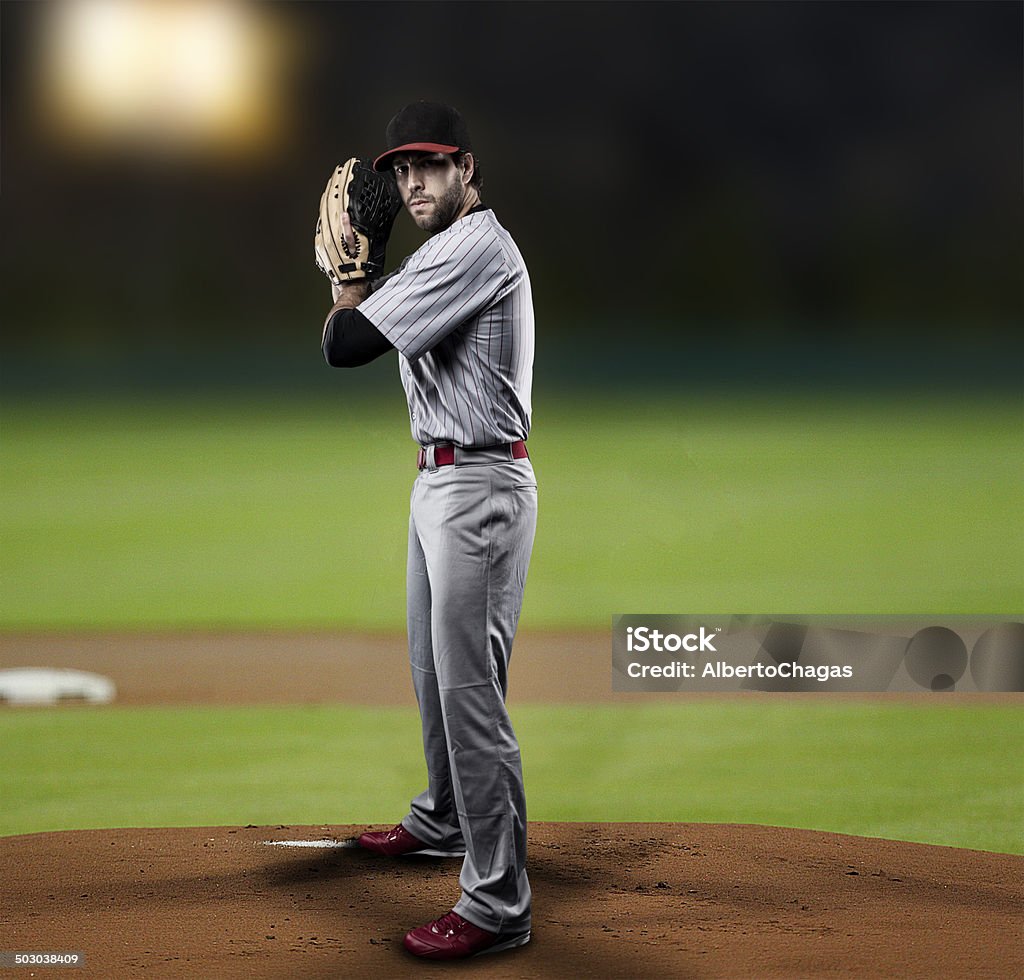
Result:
<point x="460" y="312"/>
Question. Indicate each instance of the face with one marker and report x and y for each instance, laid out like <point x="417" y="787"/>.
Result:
<point x="433" y="188"/>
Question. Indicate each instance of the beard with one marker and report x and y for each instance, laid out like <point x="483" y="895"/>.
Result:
<point x="446" y="207"/>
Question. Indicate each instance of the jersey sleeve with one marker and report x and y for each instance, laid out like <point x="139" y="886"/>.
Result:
<point x="447" y="282"/>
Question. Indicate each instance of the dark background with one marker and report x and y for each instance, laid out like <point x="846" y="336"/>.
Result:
<point x="812" y="193"/>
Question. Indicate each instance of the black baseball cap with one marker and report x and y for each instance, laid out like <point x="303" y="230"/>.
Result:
<point x="427" y="127"/>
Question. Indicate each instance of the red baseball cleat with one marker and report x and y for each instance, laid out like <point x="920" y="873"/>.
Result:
<point x="453" y="938"/>
<point x="398" y="841"/>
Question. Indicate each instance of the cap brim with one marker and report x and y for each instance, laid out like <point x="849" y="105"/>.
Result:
<point x="379" y="163"/>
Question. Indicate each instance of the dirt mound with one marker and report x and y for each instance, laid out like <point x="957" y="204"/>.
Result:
<point x="610" y="900"/>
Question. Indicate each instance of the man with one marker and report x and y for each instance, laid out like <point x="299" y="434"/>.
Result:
<point x="460" y="312"/>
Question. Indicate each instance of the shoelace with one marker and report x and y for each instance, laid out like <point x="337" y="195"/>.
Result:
<point x="450" y="924"/>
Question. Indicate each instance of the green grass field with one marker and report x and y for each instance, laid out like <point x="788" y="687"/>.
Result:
<point x="293" y="513"/>
<point x="934" y="773"/>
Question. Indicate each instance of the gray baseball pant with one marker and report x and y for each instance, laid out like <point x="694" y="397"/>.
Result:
<point x="471" y="531"/>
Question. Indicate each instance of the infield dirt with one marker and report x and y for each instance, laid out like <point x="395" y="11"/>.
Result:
<point x="611" y="900"/>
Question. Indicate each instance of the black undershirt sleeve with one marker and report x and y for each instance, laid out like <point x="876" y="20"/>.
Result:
<point x="350" y="340"/>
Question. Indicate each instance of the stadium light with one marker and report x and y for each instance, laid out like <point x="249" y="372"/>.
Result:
<point x="172" y="74"/>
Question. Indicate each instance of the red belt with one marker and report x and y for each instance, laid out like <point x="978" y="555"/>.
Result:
<point x="444" y="453"/>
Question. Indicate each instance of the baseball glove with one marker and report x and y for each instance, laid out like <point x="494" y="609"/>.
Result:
<point x="372" y="202"/>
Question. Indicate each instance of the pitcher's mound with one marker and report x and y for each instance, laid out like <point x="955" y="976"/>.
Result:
<point x="610" y="900"/>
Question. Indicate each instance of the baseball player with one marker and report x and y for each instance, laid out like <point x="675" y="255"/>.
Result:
<point x="459" y="310"/>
